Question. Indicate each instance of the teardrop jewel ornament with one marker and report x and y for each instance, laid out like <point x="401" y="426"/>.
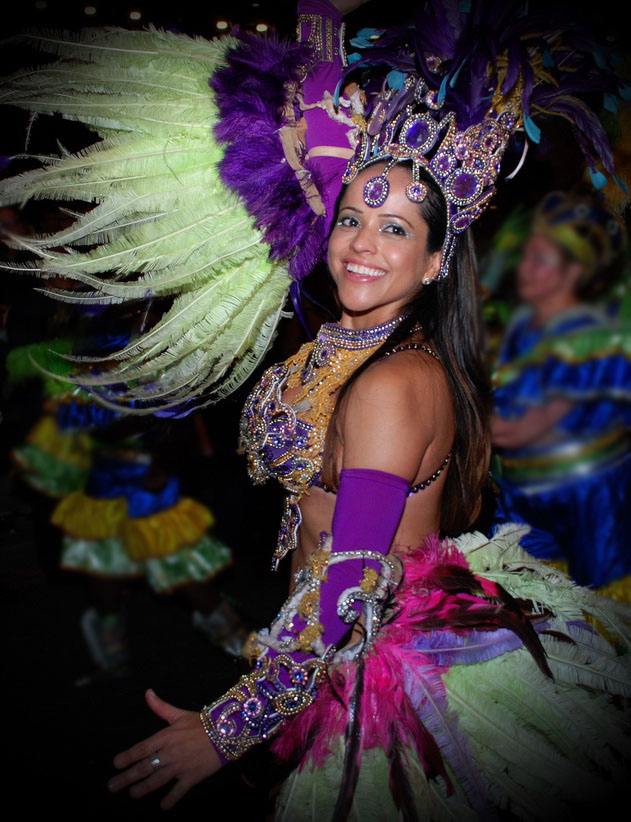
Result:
<point x="376" y="191"/>
<point x="416" y="191"/>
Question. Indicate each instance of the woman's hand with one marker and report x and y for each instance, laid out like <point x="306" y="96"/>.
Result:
<point x="532" y="427"/>
<point x="181" y="752"/>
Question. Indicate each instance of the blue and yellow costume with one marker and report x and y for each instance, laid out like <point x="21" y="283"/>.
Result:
<point x="572" y="487"/>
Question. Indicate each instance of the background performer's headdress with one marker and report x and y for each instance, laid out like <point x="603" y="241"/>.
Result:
<point x="581" y="226"/>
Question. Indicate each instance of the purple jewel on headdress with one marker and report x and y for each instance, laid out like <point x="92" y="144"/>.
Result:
<point x="462" y="221"/>
<point x="417" y="134"/>
<point x="461" y="150"/>
<point x="442" y="164"/>
<point x="464" y="186"/>
<point x="376" y="191"/>
<point x="416" y="192"/>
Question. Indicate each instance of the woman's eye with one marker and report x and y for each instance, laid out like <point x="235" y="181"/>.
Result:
<point x="348" y="221"/>
<point x="394" y="228"/>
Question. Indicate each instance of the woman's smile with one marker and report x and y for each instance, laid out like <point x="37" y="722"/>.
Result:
<point x="359" y="272"/>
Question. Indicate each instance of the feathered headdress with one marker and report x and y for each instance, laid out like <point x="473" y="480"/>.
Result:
<point x="461" y="84"/>
<point x="163" y="222"/>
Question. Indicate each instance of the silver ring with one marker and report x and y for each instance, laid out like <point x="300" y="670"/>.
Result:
<point x="154" y="761"/>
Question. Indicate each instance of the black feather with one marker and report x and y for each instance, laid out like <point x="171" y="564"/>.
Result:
<point x="353" y="749"/>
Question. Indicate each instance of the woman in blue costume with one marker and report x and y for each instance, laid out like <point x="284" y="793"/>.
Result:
<point x="563" y="401"/>
<point x="410" y="677"/>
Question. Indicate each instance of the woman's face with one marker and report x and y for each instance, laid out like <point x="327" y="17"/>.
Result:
<point x="543" y="273"/>
<point x="378" y="257"/>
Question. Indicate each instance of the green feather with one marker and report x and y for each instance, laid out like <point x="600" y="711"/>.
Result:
<point x="162" y="223"/>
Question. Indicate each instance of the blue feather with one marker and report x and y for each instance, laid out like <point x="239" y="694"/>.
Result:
<point x="364" y="38"/>
<point x="454" y="76"/>
<point x="625" y="92"/>
<point x="442" y="91"/>
<point x="533" y="131"/>
<point x="611" y="102"/>
<point x="395" y="79"/>
<point x="598" y="178"/>
<point x="548" y="59"/>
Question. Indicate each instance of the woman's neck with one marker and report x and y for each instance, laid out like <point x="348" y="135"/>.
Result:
<point x="547" y="309"/>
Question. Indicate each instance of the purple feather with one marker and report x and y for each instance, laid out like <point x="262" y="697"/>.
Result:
<point x="251" y="94"/>
<point x="426" y="692"/>
<point x="446" y="648"/>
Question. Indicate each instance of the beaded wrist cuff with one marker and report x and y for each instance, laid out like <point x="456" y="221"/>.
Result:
<point x="260" y="702"/>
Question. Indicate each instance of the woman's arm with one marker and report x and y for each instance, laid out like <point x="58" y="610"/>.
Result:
<point x="530" y="428"/>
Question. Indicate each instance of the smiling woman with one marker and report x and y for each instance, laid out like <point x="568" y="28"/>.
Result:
<point x="411" y="675"/>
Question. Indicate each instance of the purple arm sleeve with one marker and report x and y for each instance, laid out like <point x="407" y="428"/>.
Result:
<point x="321" y="129"/>
<point x="367" y="513"/>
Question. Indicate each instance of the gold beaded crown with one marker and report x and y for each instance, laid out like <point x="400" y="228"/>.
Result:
<point x="464" y="164"/>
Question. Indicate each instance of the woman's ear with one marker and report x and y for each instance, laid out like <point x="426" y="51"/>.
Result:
<point x="432" y="267"/>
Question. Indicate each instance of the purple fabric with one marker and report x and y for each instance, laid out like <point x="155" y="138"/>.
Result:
<point x="321" y="129"/>
<point x="367" y="513"/>
<point x="368" y="509"/>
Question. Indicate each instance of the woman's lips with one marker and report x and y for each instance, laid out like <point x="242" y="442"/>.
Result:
<point x="362" y="273"/>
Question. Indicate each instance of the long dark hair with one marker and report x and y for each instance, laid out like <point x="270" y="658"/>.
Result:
<point x="450" y="314"/>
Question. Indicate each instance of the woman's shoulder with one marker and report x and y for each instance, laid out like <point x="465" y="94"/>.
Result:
<point x="408" y="371"/>
<point x="403" y="387"/>
<point x="396" y="410"/>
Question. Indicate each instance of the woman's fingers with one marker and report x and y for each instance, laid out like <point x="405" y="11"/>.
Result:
<point x="161" y="708"/>
<point x="142" y="750"/>
<point x="179" y="753"/>
<point x="178" y="790"/>
<point x="142" y="769"/>
<point x="157" y="780"/>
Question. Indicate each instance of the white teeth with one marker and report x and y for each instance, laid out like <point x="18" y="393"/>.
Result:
<point x="364" y="270"/>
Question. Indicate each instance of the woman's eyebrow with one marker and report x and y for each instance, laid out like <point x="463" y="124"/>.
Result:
<point x="398" y="217"/>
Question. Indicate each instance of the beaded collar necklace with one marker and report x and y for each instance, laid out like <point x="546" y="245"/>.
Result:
<point x="335" y="354"/>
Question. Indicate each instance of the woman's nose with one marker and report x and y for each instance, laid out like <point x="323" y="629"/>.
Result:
<point x="364" y="239"/>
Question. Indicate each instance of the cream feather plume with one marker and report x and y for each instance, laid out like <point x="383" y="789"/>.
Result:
<point x="162" y="223"/>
